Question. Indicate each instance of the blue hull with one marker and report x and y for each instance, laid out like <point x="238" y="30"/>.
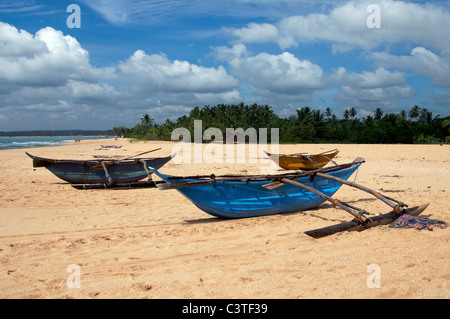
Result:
<point x="236" y="199"/>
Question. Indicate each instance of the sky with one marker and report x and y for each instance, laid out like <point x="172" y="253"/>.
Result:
<point x="101" y="63"/>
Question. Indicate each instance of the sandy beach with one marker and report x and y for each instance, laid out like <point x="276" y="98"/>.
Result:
<point x="148" y="243"/>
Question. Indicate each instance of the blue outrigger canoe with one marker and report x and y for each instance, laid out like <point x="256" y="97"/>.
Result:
<point x="250" y="196"/>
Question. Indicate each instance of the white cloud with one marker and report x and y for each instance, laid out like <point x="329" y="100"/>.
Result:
<point x="84" y="92"/>
<point x="159" y="83"/>
<point x="121" y="12"/>
<point x="169" y="111"/>
<point x="49" y="74"/>
<point x="19" y="43"/>
<point x="345" y="27"/>
<point x="421" y="61"/>
<point x="47" y="78"/>
<point x="165" y="12"/>
<point x="156" y="73"/>
<point x="254" y="33"/>
<point x="59" y="106"/>
<point x="8" y="6"/>
<point x="282" y="74"/>
<point x="371" y="89"/>
<point x="46" y="59"/>
<point x="368" y="80"/>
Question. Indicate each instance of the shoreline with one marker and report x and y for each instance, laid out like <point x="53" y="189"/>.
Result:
<point x="147" y="243"/>
<point x="67" y="140"/>
<point x="132" y="140"/>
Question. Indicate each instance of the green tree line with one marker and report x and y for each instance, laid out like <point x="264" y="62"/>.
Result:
<point x="418" y="125"/>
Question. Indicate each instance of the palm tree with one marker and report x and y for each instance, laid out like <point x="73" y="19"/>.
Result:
<point x="328" y="112"/>
<point x="378" y="114"/>
<point x="403" y="114"/>
<point x="317" y="116"/>
<point x="346" y="114"/>
<point x="352" y="112"/>
<point x="195" y="113"/>
<point x="368" y="120"/>
<point x="427" y="116"/>
<point x="304" y="114"/>
<point x="446" y="123"/>
<point x="147" y="120"/>
<point x="414" y="112"/>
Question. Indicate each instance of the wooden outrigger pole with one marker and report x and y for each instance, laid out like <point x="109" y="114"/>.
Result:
<point x="336" y="202"/>
<point x="397" y="206"/>
<point x="387" y="200"/>
<point x="360" y="222"/>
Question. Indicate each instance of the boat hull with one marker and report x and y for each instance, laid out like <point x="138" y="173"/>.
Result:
<point x="241" y="199"/>
<point x="92" y="172"/>
<point x="302" y="162"/>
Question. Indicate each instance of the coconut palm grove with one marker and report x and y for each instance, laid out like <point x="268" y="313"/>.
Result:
<point x="416" y="125"/>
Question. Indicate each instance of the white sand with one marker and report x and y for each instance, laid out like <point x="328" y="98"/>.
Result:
<point x="147" y="243"/>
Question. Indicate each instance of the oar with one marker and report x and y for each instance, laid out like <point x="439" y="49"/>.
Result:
<point x="336" y="202"/>
<point x="156" y="149"/>
<point x="384" y="199"/>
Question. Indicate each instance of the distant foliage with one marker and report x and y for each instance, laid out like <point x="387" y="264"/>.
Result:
<point x="417" y="125"/>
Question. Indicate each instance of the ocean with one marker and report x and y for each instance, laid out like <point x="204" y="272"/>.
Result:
<point x="39" y="141"/>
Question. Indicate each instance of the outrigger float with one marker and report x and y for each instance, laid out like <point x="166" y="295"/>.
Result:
<point x="236" y="196"/>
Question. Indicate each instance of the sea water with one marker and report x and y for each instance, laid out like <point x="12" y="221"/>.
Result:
<point x="38" y="141"/>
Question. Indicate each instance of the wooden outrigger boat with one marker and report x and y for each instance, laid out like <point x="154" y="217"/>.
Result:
<point x="259" y="195"/>
<point x="303" y="161"/>
<point x="102" y="171"/>
<point x="246" y="196"/>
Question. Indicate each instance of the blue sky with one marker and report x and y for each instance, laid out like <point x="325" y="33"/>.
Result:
<point x="163" y="58"/>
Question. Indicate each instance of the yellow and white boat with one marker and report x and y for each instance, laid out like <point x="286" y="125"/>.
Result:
<point x="303" y="161"/>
